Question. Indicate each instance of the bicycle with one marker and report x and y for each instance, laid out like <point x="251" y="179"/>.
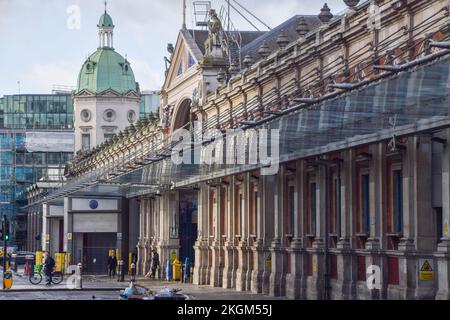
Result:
<point x="36" y="277"/>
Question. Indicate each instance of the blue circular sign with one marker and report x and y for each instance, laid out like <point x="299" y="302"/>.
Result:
<point x="93" y="204"/>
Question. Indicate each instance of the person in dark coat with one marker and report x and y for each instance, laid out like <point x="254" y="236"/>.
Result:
<point x="155" y="262"/>
<point x="49" y="265"/>
<point x="112" y="264"/>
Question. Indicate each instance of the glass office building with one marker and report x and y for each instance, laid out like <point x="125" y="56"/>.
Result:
<point x="150" y="102"/>
<point x="20" y="168"/>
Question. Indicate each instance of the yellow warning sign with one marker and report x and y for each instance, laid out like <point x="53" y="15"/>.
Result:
<point x="426" y="270"/>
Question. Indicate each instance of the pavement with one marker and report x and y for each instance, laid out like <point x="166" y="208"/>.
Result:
<point x="101" y="287"/>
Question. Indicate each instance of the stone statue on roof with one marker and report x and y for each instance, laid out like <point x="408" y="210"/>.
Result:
<point x="213" y="44"/>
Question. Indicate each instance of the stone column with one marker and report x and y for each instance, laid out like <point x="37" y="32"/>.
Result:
<point x="278" y="274"/>
<point x="316" y="283"/>
<point x="140" y="268"/>
<point x="241" y="272"/>
<point x="46" y="228"/>
<point x="443" y="252"/>
<point x="68" y="227"/>
<point x="346" y="279"/>
<point x="216" y="272"/>
<point x="201" y="245"/>
<point x="296" y="281"/>
<point x="415" y="179"/>
<point x="268" y="208"/>
<point x="377" y="174"/>
<point x="257" y="250"/>
<point x="228" y="267"/>
<point x="425" y="234"/>
<point x="169" y="211"/>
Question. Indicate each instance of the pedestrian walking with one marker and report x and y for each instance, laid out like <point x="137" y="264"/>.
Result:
<point x="155" y="262"/>
<point x="112" y="264"/>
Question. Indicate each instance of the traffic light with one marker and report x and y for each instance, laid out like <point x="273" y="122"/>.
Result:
<point x="4" y="232"/>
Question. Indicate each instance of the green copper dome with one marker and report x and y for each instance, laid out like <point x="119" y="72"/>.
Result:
<point x="105" y="21"/>
<point x="106" y="69"/>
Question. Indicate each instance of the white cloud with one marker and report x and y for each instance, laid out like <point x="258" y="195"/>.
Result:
<point x="44" y="76"/>
<point x="148" y="78"/>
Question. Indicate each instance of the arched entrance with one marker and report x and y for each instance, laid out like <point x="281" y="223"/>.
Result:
<point x="182" y="115"/>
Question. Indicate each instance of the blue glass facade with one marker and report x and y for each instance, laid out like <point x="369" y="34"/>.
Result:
<point x="19" y="168"/>
<point x="150" y="102"/>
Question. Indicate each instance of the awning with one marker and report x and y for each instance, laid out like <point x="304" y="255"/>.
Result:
<point x="404" y="103"/>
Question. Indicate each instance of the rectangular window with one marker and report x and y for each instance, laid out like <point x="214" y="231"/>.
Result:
<point x="108" y="136"/>
<point x="361" y="261"/>
<point x="85" y="141"/>
<point x="363" y="217"/>
<point x="311" y="207"/>
<point x="394" y="190"/>
<point x="223" y="211"/>
<point x="253" y="208"/>
<point x="393" y="271"/>
<point x="290" y="211"/>
<point x="398" y="200"/>
<point x="333" y="203"/>
<point x="241" y="213"/>
<point x="333" y="267"/>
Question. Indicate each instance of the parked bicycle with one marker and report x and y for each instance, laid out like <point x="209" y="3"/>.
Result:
<point x="36" y="277"/>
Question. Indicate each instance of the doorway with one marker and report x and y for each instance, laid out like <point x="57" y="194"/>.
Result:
<point x="96" y="248"/>
<point x="187" y="230"/>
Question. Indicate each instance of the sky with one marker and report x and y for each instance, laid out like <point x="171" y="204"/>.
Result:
<point x="44" y="43"/>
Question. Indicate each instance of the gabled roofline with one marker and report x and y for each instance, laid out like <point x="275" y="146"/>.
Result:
<point x="192" y="46"/>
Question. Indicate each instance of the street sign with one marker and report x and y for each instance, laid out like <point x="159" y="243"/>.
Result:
<point x="119" y="236"/>
<point x="69" y="236"/>
<point x="426" y="269"/>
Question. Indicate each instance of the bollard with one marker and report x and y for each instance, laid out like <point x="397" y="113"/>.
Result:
<point x="79" y="279"/>
<point x="187" y="269"/>
<point x="133" y="272"/>
<point x="158" y="271"/>
<point x="14" y="262"/>
<point x="181" y="272"/>
<point x="168" y="270"/>
<point x="120" y="272"/>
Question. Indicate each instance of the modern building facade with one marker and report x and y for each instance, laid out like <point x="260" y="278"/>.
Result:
<point x="357" y="108"/>
<point x="150" y="103"/>
<point x="25" y="158"/>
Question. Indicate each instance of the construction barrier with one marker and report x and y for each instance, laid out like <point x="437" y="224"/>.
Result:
<point x="130" y="261"/>
<point x="39" y="258"/>
<point x="60" y="259"/>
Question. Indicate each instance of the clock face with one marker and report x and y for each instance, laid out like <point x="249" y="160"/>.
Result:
<point x="93" y="204"/>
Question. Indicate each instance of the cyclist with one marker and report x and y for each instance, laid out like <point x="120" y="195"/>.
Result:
<point x="49" y="264"/>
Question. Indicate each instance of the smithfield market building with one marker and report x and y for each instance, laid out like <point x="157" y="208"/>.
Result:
<point x="348" y="117"/>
